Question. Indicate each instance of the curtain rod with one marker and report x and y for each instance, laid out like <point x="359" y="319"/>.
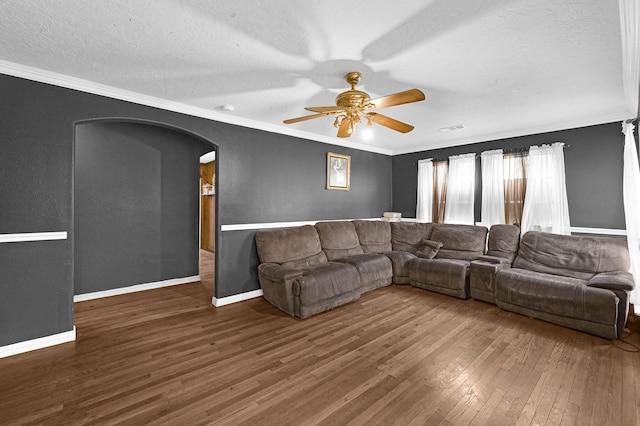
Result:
<point x="523" y="149"/>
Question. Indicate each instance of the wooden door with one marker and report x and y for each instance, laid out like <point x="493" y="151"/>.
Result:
<point x="208" y="207"/>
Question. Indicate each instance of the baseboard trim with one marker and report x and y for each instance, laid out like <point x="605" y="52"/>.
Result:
<point x="39" y="343"/>
<point x="134" y="288"/>
<point x="236" y="298"/>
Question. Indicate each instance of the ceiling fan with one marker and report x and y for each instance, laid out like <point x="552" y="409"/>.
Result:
<point x="353" y="105"/>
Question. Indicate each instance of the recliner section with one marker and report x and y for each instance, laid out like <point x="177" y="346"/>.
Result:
<point x="447" y="271"/>
<point x="575" y="281"/>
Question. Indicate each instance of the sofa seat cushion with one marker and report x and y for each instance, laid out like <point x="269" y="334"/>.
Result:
<point x="447" y="276"/>
<point x="374" y="235"/>
<point x="407" y="236"/>
<point x="555" y="294"/>
<point x="375" y="270"/>
<point x="325" y="282"/>
<point x="338" y="239"/>
<point x="465" y="242"/>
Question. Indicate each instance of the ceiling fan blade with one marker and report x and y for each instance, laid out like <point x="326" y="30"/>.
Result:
<point x="343" y="130"/>
<point x="413" y="95"/>
<point x="389" y="122"/>
<point x="325" y="109"/>
<point x="305" y="118"/>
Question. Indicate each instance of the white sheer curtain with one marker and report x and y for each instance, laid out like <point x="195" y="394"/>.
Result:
<point x="492" y="187"/>
<point x="461" y="183"/>
<point x="425" y="191"/>
<point x="545" y="206"/>
<point x="630" y="35"/>
<point x="631" y="194"/>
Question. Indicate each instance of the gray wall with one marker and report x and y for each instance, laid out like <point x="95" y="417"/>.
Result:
<point x="261" y="176"/>
<point x="593" y="166"/>
<point x="135" y="204"/>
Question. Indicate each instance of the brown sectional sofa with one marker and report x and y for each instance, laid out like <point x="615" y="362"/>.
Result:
<point x="578" y="282"/>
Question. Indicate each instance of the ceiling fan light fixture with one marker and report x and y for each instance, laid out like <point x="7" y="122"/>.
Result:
<point x="351" y="105"/>
<point x="367" y="132"/>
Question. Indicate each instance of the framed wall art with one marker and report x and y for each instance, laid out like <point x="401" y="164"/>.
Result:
<point x="338" y="171"/>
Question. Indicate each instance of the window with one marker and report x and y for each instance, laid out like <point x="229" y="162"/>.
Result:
<point x="440" y="172"/>
<point x="515" y="186"/>
<point x="461" y="189"/>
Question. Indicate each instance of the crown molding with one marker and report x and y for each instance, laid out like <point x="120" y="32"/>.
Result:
<point x="86" y="86"/>
<point x="526" y="131"/>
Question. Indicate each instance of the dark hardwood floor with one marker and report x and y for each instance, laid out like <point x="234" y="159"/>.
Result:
<point x="398" y="355"/>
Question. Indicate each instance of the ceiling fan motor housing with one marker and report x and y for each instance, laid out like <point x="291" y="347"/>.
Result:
<point x="352" y="99"/>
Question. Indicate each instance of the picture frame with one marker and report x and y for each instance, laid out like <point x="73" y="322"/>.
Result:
<point x="338" y="171"/>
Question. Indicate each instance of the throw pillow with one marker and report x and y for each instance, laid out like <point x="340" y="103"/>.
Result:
<point x="428" y="249"/>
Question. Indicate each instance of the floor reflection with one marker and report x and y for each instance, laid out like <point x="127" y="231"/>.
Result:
<point x="207" y="268"/>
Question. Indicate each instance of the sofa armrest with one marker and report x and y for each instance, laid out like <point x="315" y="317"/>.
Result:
<point x="277" y="284"/>
<point x="276" y="272"/>
<point x="613" y="281"/>
<point x="494" y="259"/>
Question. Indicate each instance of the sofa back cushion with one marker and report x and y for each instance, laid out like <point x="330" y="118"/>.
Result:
<point x="504" y="241"/>
<point x="374" y="235"/>
<point x="571" y="255"/>
<point x="464" y="242"/>
<point x="294" y="248"/>
<point x="338" y="239"/>
<point x="408" y="236"/>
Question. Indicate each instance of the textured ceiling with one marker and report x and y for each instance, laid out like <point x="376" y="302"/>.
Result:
<point x="500" y="68"/>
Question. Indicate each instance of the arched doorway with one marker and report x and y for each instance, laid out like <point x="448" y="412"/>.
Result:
<point x="136" y="204"/>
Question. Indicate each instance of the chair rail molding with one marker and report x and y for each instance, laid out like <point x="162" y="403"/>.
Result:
<point x="32" y="236"/>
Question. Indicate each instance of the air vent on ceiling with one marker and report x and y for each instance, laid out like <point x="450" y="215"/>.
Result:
<point x="451" y="128"/>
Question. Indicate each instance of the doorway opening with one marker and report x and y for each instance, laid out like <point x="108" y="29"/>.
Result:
<point x="207" y="247"/>
<point x="136" y="209"/>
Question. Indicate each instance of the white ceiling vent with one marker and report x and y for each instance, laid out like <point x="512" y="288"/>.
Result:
<point x="451" y="128"/>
